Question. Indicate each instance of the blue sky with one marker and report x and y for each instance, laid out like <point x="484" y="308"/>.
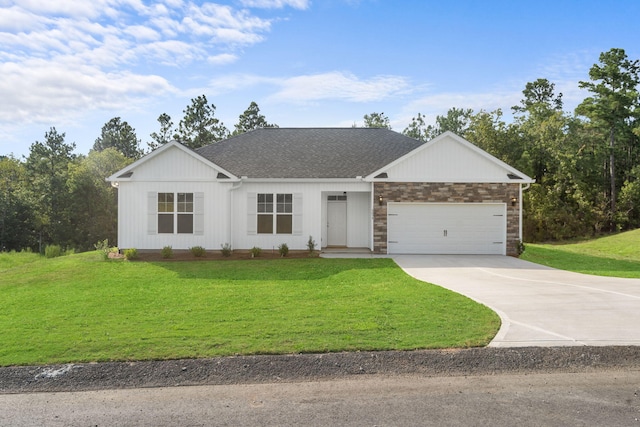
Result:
<point x="75" y="64"/>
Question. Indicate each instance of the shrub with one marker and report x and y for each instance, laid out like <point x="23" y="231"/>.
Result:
<point x="103" y="247"/>
<point x="283" y="249"/>
<point x="52" y="251"/>
<point x="131" y="253"/>
<point x="226" y="250"/>
<point x="311" y="245"/>
<point x="197" y="251"/>
<point x="255" y="251"/>
<point x="167" y="252"/>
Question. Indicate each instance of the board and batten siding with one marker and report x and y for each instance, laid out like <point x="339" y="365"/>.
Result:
<point x="309" y="213"/>
<point x="174" y="165"/>
<point x="137" y="222"/>
<point x="447" y="161"/>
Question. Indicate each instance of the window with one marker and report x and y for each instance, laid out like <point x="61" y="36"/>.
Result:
<point x="280" y="218"/>
<point x="175" y="212"/>
<point x="165" y="212"/>
<point x="284" y="214"/>
<point x="185" y="213"/>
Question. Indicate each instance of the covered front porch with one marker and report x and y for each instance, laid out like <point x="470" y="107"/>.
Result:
<point x="347" y="220"/>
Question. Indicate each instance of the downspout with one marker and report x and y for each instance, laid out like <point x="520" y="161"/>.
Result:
<point x="526" y="187"/>
<point x="372" y="217"/>
<point x="230" y="232"/>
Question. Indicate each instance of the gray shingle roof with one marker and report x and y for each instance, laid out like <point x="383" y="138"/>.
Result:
<point x="309" y="152"/>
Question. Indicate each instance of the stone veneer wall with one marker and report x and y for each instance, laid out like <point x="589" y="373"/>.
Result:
<point x="444" y="193"/>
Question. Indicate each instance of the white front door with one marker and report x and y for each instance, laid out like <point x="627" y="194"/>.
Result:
<point x="337" y="223"/>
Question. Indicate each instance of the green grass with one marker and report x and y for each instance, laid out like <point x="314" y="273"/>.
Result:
<point x="616" y="255"/>
<point x="13" y="259"/>
<point x="79" y="308"/>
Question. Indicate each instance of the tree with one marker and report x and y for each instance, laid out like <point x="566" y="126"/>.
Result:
<point x="613" y="107"/>
<point x="251" y="119"/>
<point x="199" y="126"/>
<point x="93" y="200"/>
<point x="541" y="125"/>
<point x="119" y="135"/>
<point x="47" y="170"/>
<point x="17" y="221"/>
<point x="164" y="135"/>
<point x="418" y="129"/>
<point x="539" y="99"/>
<point x="457" y="121"/>
<point x="489" y="131"/>
<point x="376" y="120"/>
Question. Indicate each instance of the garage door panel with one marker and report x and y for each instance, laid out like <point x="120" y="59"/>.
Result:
<point x="448" y="228"/>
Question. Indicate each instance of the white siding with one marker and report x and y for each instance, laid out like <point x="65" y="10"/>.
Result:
<point x="136" y="222"/>
<point x="173" y="171"/>
<point x="174" y="165"/>
<point x="447" y="160"/>
<point x="312" y="215"/>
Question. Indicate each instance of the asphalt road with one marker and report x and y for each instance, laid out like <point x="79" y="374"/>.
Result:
<point x="606" y="397"/>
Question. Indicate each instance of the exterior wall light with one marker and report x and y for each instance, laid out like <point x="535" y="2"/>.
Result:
<point x="514" y="200"/>
<point x="380" y="200"/>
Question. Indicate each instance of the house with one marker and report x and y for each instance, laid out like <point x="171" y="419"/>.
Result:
<point x="345" y="187"/>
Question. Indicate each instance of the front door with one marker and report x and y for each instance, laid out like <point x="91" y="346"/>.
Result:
<point x="336" y="223"/>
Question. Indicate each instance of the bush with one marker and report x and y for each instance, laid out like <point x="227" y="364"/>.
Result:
<point x="311" y="245"/>
<point x="255" y="251"/>
<point x="52" y="251"/>
<point x="226" y="250"/>
<point x="131" y="253"/>
<point x="167" y="252"/>
<point x="197" y="251"/>
<point x="283" y="249"/>
<point x="103" y="247"/>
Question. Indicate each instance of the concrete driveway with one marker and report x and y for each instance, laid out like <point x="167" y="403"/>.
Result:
<point x="539" y="306"/>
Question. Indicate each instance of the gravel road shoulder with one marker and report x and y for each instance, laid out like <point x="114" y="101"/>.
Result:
<point x="313" y="367"/>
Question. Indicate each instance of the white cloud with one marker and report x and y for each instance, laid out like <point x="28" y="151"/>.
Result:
<point x="442" y="102"/>
<point x="39" y="91"/>
<point x="339" y="85"/>
<point x="63" y="58"/>
<point x="222" y="24"/>
<point x="142" y="33"/>
<point x="277" y="4"/>
<point x="304" y="89"/>
<point x="14" y="19"/>
<point x="222" y="59"/>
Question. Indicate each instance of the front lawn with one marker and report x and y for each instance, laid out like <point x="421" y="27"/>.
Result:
<point x="617" y="255"/>
<point x="81" y="308"/>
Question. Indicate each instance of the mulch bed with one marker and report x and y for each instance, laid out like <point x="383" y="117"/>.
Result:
<point x="182" y="255"/>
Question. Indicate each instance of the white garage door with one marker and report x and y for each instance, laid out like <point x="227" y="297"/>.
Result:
<point x="446" y="228"/>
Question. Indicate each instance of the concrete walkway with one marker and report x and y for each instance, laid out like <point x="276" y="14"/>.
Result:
<point x="539" y="306"/>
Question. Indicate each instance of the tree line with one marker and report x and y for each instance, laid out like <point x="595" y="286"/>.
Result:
<point x="586" y="163"/>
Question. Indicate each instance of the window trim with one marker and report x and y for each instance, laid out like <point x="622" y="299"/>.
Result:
<point x="184" y="203"/>
<point x="278" y="207"/>
<point x="252" y="214"/>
